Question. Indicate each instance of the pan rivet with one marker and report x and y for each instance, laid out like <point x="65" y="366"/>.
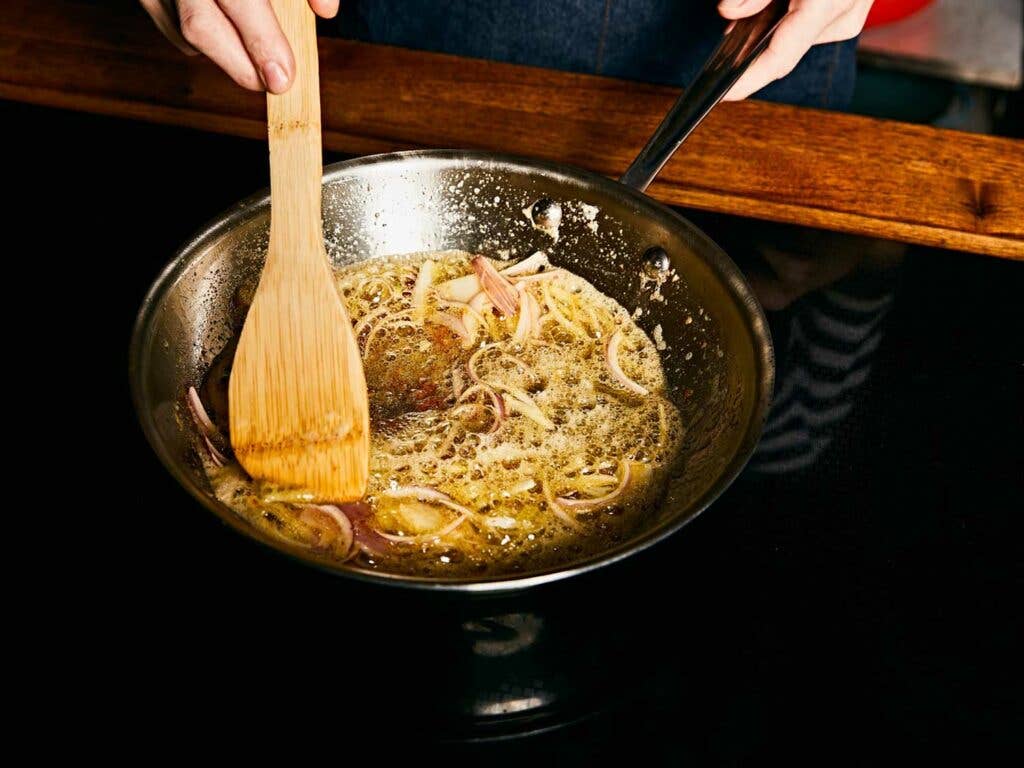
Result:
<point x="546" y="213"/>
<point x="656" y="261"/>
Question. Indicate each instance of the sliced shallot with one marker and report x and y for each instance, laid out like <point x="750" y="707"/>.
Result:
<point x="480" y="302"/>
<point x="341" y="520"/>
<point x="216" y="456"/>
<point x="471" y="363"/>
<point x="534" y="308"/>
<point x="424" y="537"/>
<point x="497" y="287"/>
<point x="473" y="312"/>
<point x="424" y="279"/>
<point x="460" y="289"/>
<point x="425" y="493"/>
<point x="527" y="321"/>
<point x="556" y="313"/>
<point x="611" y="357"/>
<point x="594" y="321"/>
<point x="207" y="429"/>
<point x="366" y="538"/>
<point x="497" y="401"/>
<point x="556" y="508"/>
<point x="475" y="358"/>
<point x="531" y="264"/>
<point x="199" y="415"/>
<point x="521" y="364"/>
<point x="580" y="505"/>
<point x="521" y="403"/>
<point x="465" y="308"/>
<point x="337" y="515"/>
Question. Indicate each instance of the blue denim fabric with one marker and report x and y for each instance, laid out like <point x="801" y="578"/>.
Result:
<point x="660" y="41"/>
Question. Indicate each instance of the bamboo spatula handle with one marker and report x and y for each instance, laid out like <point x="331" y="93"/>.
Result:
<point x="293" y="123"/>
<point x="297" y="396"/>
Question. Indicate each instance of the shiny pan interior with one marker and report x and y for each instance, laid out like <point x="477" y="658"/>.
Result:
<point x="717" y="356"/>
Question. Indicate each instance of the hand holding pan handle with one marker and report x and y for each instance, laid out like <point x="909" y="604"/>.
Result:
<point x="741" y="44"/>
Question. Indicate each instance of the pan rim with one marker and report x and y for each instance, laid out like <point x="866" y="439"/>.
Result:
<point x="251" y="206"/>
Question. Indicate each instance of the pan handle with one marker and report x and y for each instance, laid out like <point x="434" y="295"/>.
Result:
<point x="741" y="44"/>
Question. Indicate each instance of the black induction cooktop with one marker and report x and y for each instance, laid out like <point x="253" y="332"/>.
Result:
<point x="871" y="600"/>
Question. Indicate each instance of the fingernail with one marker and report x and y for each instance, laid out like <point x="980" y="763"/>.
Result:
<point x="731" y="3"/>
<point x="274" y="77"/>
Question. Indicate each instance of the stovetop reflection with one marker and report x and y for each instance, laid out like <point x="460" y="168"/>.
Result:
<point x="509" y="667"/>
<point x="455" y="669"/>
<point x="528" y="673"/>
<point x="601" y="646"/>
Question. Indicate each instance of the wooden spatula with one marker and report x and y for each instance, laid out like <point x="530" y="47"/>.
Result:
<point x="297" y="397"/>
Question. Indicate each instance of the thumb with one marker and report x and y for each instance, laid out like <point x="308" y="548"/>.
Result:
<point x="328" y="9"/>
<point x="740" y="9"/>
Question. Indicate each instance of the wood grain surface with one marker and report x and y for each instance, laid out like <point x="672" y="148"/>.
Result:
<point x="847" y="173"/>
<point x="297" y="397"/>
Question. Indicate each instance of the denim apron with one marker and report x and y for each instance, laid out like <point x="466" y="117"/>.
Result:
<point x="658" y="41"/>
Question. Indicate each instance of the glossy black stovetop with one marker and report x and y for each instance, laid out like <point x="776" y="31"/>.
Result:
<point x="883" y="583"/>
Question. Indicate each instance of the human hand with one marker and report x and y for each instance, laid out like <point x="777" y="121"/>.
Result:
<point x="809" y="22"/>
<point x="242" y="37"/>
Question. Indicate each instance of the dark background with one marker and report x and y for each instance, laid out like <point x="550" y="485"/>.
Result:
<point x="871" y="605"/>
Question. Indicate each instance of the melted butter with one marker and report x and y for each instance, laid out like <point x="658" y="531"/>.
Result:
<point x="569" y="430"/>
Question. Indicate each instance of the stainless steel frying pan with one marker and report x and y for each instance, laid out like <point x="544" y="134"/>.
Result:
<point x="717" y="351"/>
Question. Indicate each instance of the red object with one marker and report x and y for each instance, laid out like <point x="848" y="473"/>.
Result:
<point x="885" y="11"/>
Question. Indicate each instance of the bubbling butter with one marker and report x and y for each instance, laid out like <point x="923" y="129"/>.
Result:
<point x="502" y="442"/>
